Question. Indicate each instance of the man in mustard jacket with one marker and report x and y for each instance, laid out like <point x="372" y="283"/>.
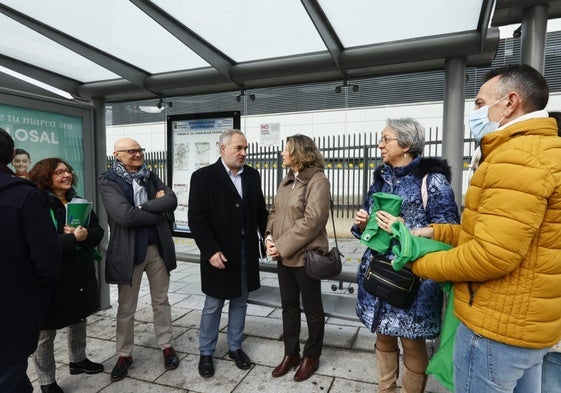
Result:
<point x="506" y="260"/>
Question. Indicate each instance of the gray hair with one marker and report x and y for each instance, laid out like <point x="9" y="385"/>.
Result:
<point x="410" y="133"/>
<point x="226" y="136"/>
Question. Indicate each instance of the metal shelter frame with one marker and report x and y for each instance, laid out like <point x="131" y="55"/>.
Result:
<point x="452" y="52"/>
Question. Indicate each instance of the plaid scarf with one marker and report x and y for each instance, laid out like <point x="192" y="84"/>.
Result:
<point x="141" y="176"/>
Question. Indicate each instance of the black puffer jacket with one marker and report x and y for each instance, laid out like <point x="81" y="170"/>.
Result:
<point x="76" y="291"/>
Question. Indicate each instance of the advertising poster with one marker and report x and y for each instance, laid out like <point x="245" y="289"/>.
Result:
<point x="192" y="144"/>
<point x="46" y="134"/>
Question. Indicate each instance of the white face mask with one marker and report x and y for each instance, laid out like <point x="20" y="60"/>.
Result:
<point x="479" y="122"/>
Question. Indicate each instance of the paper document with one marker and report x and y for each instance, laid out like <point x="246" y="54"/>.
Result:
<point x="78" y="213"/>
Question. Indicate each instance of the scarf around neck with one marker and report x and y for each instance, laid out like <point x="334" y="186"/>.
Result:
<point x="141" y="176"/>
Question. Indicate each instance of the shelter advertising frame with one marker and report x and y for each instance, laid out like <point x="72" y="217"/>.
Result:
<point x="192" y="143"/>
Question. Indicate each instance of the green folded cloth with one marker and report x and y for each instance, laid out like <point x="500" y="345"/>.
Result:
<point x="441" y="365"/>
<point x="411" y="247"/>
<point x="374" y="237"/>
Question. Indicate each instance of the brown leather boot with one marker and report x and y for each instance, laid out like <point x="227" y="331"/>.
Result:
<point x="413" y="382"/>
<point x="387" y="364"/>
<point x="306" y="369"/>
<point x="287" y="363"/>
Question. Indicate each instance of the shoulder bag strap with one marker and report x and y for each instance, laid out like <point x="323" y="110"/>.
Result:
<point x="331" y="208"/>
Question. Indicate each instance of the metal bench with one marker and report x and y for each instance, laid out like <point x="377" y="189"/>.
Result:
<point x="335" y="305"/>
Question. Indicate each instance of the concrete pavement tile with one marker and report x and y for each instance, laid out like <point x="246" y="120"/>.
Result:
<point x="344" y="322"/>
<point x="345" y="386"/>
<point x="188" y="342"/>
<point x="276" y="314"/>
<point x="355" y="365"/>
<point x="194" y="302"/>
<point x="99" y="351"/>
<point x="102" y="327"/>
<point x="175" y="284"/>
<point x="266" y="327"/>
<point x="186" y="376"/>
<point x="81" y="383"/>
<point x="178" y="312"/>
<point x="259" y="380"/>
<point x="364" y="340"/>
<point x="129" y="385"/>
<point x="260" y="311"/>
<point x="190" y="320"/>
<point x="263" y="351"/>
<point x="176" y="298"/>
<point x="340" y="336"/>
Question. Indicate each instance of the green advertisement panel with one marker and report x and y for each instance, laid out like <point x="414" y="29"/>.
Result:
<point x="46" y="134"/>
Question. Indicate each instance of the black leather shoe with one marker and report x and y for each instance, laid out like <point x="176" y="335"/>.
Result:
<point x="121" y="369"/>
<point x="242" y="360"/>
<point x="206" y="367"/>
<point x="52" y="388"/>
<point x="171" y="361"/>
<point x="85" y="366"/>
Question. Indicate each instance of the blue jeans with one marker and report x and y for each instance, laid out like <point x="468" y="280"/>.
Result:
<point x="210" y="323"/>
<point x="551" y="373"/>
<point x="210" y="318"/>
<point x="484" y="365"/>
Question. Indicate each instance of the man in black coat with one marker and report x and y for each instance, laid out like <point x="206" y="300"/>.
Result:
<point x="30" y="262"/>
<point x="227" y="217"/>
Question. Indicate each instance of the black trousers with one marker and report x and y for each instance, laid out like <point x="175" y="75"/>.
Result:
<point x="293" y="283"/>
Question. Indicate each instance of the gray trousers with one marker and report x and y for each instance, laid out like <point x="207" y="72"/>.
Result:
<point x="44" y="356"/>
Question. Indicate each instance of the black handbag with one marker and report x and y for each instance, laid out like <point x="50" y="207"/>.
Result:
<point x="398" y="288"/>
<point x="319" y="266"/>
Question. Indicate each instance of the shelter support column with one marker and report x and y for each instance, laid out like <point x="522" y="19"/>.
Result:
<point x="100" y="167"/>
<point x="534" y="29"/>
<point x="453" y="122"/>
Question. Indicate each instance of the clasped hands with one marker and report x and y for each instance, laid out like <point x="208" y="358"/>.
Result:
<point x="79" y="232"/>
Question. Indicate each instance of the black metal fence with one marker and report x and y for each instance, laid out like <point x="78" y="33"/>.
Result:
<point x="350" y="161"/>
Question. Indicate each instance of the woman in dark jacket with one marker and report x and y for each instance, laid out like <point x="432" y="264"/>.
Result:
<point x="76" y="292"/>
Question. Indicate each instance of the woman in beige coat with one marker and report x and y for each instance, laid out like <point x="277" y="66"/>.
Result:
<point x="297" y="222"/>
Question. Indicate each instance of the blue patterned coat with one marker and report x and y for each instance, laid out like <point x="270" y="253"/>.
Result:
<point x="422" y="319"/>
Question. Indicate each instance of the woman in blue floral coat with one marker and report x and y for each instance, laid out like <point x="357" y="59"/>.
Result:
<point x="401" y="145"/>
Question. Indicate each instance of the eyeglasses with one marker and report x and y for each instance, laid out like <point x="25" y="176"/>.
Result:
<point x="132" y="152"/>
<point x="385" y="139"/>
<point x="61" y="172"/>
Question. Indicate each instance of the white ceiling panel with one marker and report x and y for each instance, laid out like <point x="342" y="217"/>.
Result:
<point x="116" y="27"/>
<point x="24" y="44"/>
<point x="248" y="30"/>
<point x="365" y="22"/>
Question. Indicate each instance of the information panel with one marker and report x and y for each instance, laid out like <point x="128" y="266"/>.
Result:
<point x="192" y="144"/>
<point x="45" y="135"/>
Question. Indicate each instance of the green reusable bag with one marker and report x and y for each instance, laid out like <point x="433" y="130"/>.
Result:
<point x="374" y="237"/>
<point x="409" y="248"/>
<point x="441" y="365"/>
